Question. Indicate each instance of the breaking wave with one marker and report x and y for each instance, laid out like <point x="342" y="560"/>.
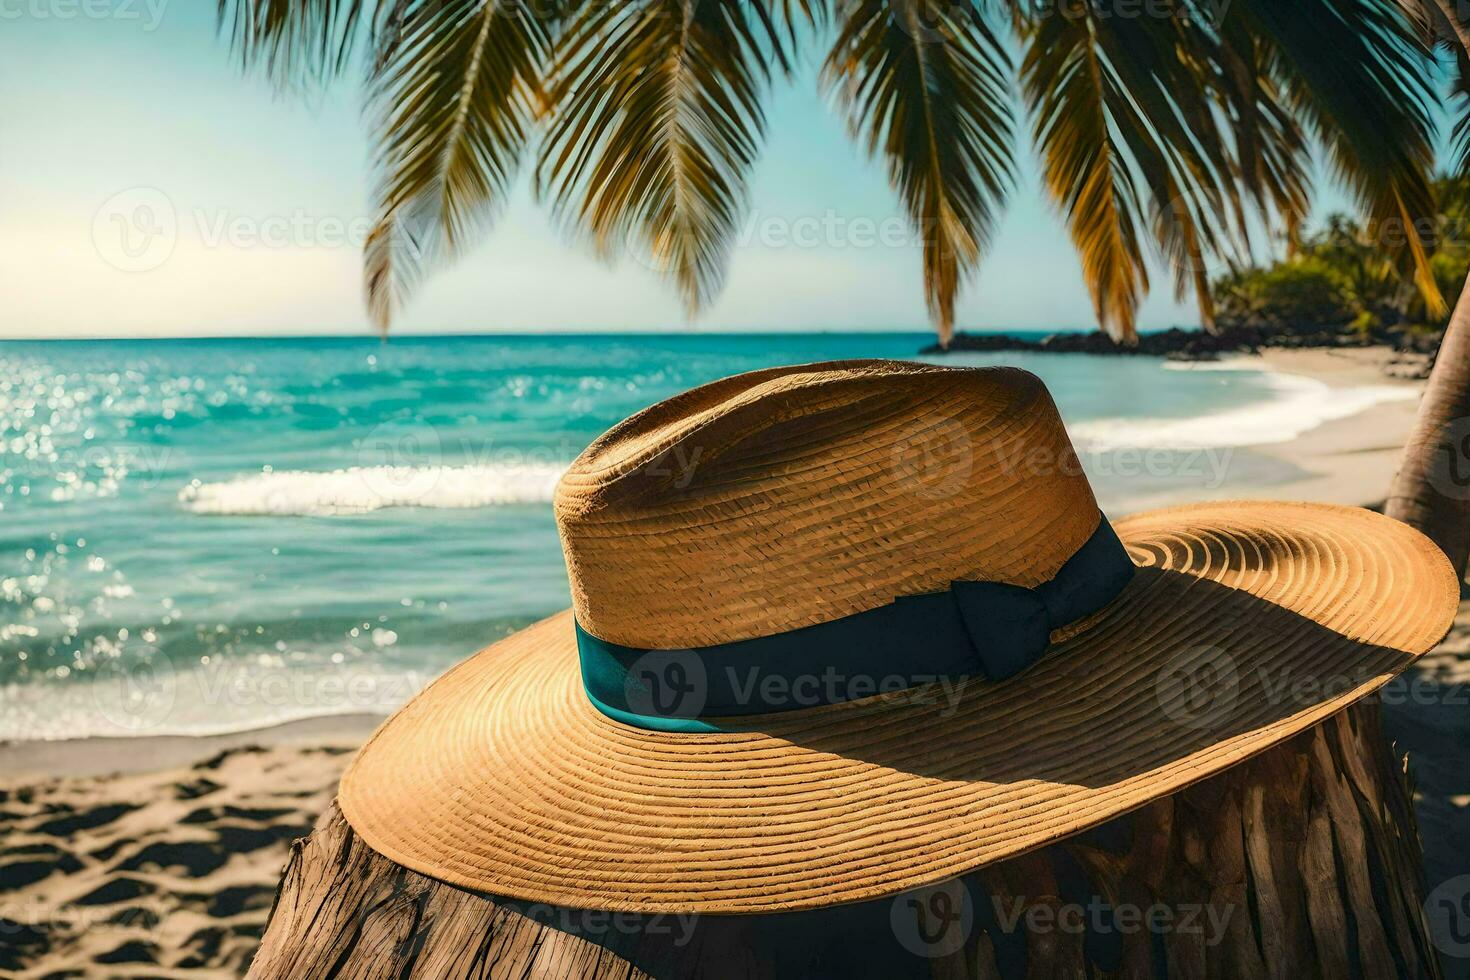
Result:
<point x="1297" y="405"/>
<point x="362" y="489"/>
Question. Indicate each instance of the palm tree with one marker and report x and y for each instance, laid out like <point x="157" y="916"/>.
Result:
<point x="1429" y="491"/>
<point x="1161" y="125"/>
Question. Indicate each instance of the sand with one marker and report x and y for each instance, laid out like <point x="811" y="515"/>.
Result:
<point x="1345" y="461"/>
<point x="166" y="868"/>
<point x="159" y="856"/>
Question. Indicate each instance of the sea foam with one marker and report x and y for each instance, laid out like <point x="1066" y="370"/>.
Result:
<point x="362" y="489"/>
<point x="1295" y="405"/>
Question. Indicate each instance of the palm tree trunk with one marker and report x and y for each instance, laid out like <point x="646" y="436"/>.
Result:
<point x="1432" y="489"/>
<point x="1452" y="14"/>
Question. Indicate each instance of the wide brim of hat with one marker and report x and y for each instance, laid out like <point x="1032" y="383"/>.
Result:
<point x="1246" y="624"/>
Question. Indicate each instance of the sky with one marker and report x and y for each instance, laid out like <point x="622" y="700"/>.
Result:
<point x="149" y="188"/>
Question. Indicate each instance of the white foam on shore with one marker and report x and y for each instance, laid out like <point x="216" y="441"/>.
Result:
<point x="1294" y="404"/>
<point x="1297" y="405"/>
<point x="133" y="699"/>
<point x="362" y="489"/>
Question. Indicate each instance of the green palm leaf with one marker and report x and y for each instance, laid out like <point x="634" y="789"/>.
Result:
<point x="1446" y="23"/>
<point x="1274" y="154"/>
<point x="1356" y="72"/>
<point x="1459" y="149"/>
<point x="931" y="96"/>
<point x="455" y="95"/>
<point x="1175" y="132"/>
<point x="294" y="41"/>
<point x="657" y="120"/>
<point x="1073" y="94"/>
<point x="1166" y="70"/>
<point x="1176" y="128"/>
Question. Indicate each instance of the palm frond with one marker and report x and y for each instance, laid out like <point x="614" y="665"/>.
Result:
<point x="657" y="120"/>
<point x="454" y="96"/>
<point x="1459" y="106"/>
<point x="1451" y="32"/>
<point x="1275" y="160"/>
<point x="1073" y="94"/>
<point x="1445" y="25"/>
<point x="1167" y="71"/>
<point x="294" y="42"/>
<point x="931" y="97"/>
<point x="1175" y="132"/>
<point x="1358" y="73"/>
<point x="395" y="259"/>
<point x="1156" y="127"/>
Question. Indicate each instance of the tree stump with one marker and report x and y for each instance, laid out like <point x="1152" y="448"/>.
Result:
<point x="1301" y="862"/>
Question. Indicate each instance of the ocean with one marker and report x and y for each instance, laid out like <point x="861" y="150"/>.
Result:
<point x="205" y="535"/>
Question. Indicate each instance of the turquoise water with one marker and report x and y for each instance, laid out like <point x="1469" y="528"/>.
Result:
<point x="251" y="530"/>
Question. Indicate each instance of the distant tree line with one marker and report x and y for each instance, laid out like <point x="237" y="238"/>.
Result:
<point x="1346" y="275"/>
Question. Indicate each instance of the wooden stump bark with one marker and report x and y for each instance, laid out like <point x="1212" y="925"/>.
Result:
<point x="1301" y="862"/>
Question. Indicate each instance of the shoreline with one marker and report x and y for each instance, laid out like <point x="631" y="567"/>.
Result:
<point x="1355" y="458"/>
<point x="1350" y="460"/>
<point x="103" y="756"/>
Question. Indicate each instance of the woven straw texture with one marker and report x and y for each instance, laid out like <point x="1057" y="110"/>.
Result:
<point x="820" y="492"/>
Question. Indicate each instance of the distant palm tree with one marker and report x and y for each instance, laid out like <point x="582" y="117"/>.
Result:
<point x="1167" y="125"/>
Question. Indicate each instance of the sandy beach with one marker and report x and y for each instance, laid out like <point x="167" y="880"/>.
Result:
<point x="1345" y="461"/>
<point x="1352" y="458"/>
<point x="159" y="856"/>
<point x="155" y="856"/>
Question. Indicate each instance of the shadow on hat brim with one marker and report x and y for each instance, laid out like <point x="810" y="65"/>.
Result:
<point x="1246" y="624"/>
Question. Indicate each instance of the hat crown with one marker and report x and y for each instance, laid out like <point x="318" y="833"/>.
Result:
<point x="795" y="496"/>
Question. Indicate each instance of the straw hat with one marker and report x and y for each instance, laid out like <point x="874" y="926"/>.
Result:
<point x="846" y="629"/>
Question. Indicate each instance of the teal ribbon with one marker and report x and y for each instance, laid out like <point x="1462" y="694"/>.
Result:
<point x="987" y="630"/>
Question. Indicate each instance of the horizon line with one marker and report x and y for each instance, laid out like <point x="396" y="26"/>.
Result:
<point x="576" y="333"/>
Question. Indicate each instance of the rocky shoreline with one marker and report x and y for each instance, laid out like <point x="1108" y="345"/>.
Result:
<point x="1413" y="360"/>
